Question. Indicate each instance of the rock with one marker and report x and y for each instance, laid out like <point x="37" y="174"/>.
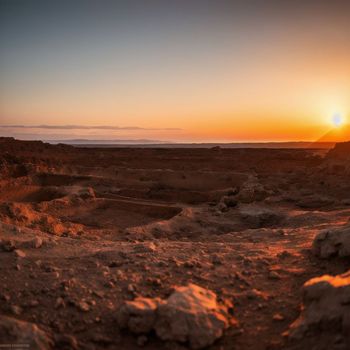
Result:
<point x="141" y="340"/>
<point x="273" y="275"/>
<point x="257" y="294"/>
<point x="14" y="331"/>
<point x="86" y="193"/>
<point x="59" y="303"/>
<point x="229" y="201"/>
<point x="66" y="342"/>
<point x="19" y="253"/>
<point x="257" y="216"/>
<point x="252" y="191"/>
<point x="191" y="314"/>
<point x="326" y="307"/>
<point x="131" y="288"/>
<point x="7" y="245"/>
<point x="16" y="310"/>
<point x="341" y="151"/>
<point x="37" y="242"/>
<point x="222" y="207"/>
<point x="146" y="247"/>
<point x="5" y="297"/>
<point x="82" y="305"/>
<point x="330" y="243"/>
<point x="138" y="315"/>
<point x="314" y="202"/>
<point x="216" y="259"/>
<point x="33" y="303"/>
<point x="278" y="317"/>
<point x="233" y="191"/>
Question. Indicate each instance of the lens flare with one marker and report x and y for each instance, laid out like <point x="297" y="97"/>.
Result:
<point x="338" y="120"/>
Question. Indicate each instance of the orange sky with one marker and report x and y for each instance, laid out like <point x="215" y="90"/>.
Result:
<point x="226" y="73"/>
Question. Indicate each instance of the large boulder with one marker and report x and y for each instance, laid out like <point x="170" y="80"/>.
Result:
<point x="15" y="332"/>
<point x="326" y="308"/>
<point x="190" y="315"/>
<point x="330" y="243"/>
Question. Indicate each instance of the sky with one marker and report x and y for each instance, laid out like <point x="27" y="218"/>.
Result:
<point x="183" y="71"/>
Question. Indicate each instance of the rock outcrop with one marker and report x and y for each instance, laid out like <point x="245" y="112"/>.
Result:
<point x="326" y="308"/>
<point x="16" y="332"/>
<point x="252" y="191"/>
<point x="190" y="315"/>
<point x="341" y="151"/>
<point x="330" y="243"/>
<point x="257" y="216"/>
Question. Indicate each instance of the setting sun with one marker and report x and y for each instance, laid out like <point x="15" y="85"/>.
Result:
<point x="338" y="120"/>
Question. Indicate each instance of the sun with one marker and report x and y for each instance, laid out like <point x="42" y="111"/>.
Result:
<point x="338" y="120"/>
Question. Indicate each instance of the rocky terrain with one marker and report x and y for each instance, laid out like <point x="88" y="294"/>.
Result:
<point x="174" y="248"/>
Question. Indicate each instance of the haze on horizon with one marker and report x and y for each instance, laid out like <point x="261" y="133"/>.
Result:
<point x="203" y="71"/>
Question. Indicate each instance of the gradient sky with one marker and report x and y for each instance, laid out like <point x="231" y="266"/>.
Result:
<point x="174" y="70"/>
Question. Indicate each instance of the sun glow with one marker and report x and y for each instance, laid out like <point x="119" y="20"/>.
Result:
<point x="338" y="120"/>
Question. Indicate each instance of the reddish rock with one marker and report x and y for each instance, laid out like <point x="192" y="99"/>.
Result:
<point x="13" y="331"/>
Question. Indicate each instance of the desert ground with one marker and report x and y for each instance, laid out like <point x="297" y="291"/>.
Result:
<point x="129" y="248"/>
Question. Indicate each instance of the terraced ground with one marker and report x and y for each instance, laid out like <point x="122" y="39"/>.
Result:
<point x="83" y="230"/>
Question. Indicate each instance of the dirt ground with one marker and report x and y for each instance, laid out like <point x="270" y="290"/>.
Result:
<point x="83" y="230"/>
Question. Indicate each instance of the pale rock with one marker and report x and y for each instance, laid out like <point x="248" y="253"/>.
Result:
<point x="191" y="314"/>
<point x="326" y="306"/>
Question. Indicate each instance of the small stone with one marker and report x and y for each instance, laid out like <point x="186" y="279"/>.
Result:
<point x="99" y="293"/>
<point x="66" y="341"/>
<point x="131" y="288"/>
<point x="141" y="340"/>
<point x="115" y="264"/>
<point x="229" y="201"/>
<point x="5" y="297"/>
<point x="55" y="274"/>
<point x="188" y="264"/>
<point x="278" y="317"/>
<point x="216" y="259"/>
<point x="83" y="306"/>
<point x="17" y="310"/>
<point x="37" y="242"/>
<point x="154" y="281"/>
<point x="222" y="207"/>
<point x="19" y="253"/>
<point x="59" y="303"/>
<point x="8" y="246"/>
<point x="33" y="303"/>
<point x="274" y="275"/>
